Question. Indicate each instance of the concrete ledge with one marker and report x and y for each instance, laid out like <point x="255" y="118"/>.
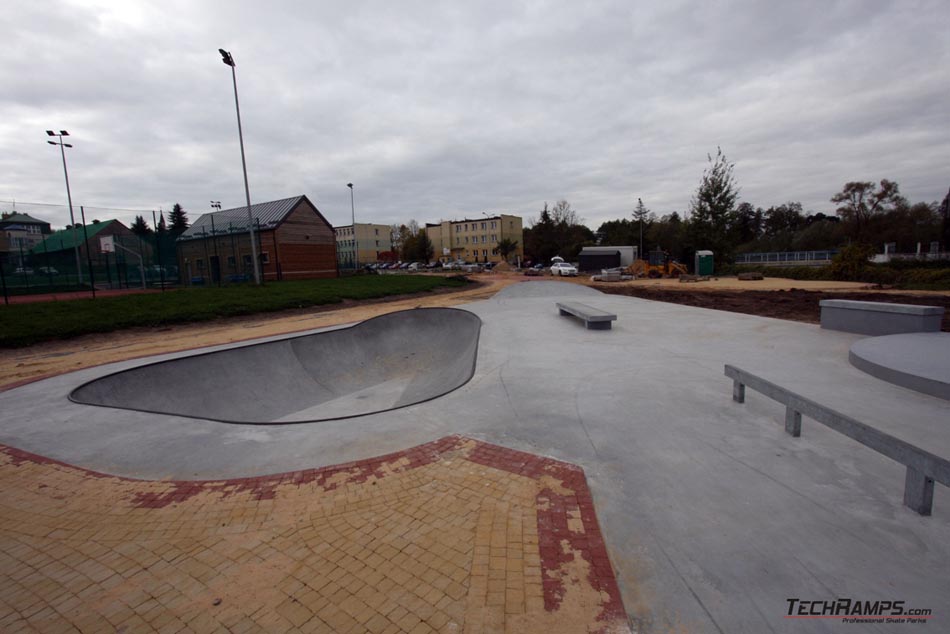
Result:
<point x="923" y="467"/>
<point x="593" y="318"/>
<point x="879" y="318"/>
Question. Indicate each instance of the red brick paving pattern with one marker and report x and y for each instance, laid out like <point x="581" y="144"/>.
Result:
<point x="455" y="535"/>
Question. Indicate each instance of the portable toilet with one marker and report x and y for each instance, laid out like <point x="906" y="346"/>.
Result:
<point x="704" y="263"/>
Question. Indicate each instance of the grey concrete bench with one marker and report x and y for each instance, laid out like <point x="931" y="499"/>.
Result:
<point x="593" y="318"/>
<point x="923" y="467"/>
<point x="879" y="318"/>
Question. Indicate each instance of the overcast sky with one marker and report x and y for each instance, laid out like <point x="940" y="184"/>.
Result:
<point x="442" y="110"/>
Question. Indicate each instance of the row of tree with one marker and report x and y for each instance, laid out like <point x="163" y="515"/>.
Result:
<point x="177" y="223"/>
<point x="867" y="213"/>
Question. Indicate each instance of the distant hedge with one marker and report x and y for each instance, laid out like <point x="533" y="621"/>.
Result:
<point x="903" y="274"/>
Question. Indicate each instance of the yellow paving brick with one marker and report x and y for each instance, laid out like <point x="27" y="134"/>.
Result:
<point x="422" y="549"/>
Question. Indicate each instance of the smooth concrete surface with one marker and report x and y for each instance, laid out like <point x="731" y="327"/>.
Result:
<point x="390" y="361"/>
<point x="714" y="517"/>
<point x="879" y="318"/>
<point x="918" y="361"/>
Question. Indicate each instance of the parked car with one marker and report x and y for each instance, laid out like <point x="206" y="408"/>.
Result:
<point x="563" y="268"/>
<point x="534" y="271"/>
<point x="48" y="270"/>
<point x="23" y="270"/>
<point x="415" y="266"/>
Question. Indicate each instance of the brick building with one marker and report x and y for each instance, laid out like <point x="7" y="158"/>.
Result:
<point x="294" y="242"/>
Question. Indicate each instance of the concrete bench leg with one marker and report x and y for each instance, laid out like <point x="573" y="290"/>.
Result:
<point x="793" y="422"/>
<point x="738" y="392"/>
<point x="918" y="491"/>
<point x="598" y="325"/>
<point x="563" y="312"/>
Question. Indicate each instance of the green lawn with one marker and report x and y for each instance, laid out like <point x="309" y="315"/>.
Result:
<point x="24" y="324"/>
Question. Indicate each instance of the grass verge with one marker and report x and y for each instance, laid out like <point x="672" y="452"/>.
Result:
<point x="25" y="324"/>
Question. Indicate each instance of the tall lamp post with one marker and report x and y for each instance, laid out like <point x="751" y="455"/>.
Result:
<point x="229" y="61"/>
<point x="356" y="240"/>
<point x="69" y="196"/>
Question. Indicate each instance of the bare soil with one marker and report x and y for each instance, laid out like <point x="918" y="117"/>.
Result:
<point x="795" y="304"/>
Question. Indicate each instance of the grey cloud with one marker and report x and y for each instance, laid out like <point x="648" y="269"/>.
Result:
<point x="449" y="109"/>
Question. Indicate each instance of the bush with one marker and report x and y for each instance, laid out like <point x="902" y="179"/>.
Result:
<point x="851" y="262"/>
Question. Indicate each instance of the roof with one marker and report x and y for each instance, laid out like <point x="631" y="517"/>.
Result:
<point x="23" y="219"/>
<point x="268" y="215"/>
<point x="63" y="239"/>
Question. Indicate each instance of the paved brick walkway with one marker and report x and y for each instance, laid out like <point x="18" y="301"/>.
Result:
<point x="452" y="536"/>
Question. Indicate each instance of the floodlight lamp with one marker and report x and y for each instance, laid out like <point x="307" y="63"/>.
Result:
<point x="50" y="133"/>
<point x="63" y="133"/>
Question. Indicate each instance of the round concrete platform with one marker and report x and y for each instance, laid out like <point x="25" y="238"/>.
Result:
<point x="919" y="361"/>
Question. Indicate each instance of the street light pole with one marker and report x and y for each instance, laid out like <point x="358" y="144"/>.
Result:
<point x="229" y="61"/>
<point x="69" y="196"/>
<point x="356" y="240"/>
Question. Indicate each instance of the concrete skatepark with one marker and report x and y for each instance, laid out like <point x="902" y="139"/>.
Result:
<point x="380" y="364"/>
<point x="713" y="516"/>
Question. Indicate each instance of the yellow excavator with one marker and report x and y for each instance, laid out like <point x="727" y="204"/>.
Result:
<point x="659" y="265"/>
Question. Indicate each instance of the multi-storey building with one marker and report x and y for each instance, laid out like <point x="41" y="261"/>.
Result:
<point x="476" y="240"/>
<point x="362" y="246"/>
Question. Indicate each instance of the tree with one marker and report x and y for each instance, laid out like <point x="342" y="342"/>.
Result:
<point x="640" y="214"/>
<point x="506" y="247"/>
<point x="162" y="228"/>
<point x="557" y="232"/>
<point x="140" y="227"/>
<point x="748" y="223"/>
<point x="178" y="219"/>
<point x="786" y="218"/>
<point x="562" y="213"/>
<point x="424" y="248"/>
<point x="945" y="221"/>
<point x="861" y="200"/>
<point x="712" y="209"/>
<point x="618" y="232"/>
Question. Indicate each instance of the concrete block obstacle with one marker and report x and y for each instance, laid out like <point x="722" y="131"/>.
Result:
<point x="878" y="318"/>
<point x="923" y="467"/>
<point x="593" y="318"/>
<point x="918" y="361"/>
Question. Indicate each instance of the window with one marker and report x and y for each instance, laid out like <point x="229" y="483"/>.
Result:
<point x="494" y="238"/>
<point x="200" y="264"/>
<point x="247" y="261"/>
<point x="483" y="239"/>
<point x="458" y="240"/>
<point x="483" y="226"/>
<point x="377" y="242"/>
<point x="377" y="233"/>
<point x="458" y="228"/>
<point x="494" y="225"/>
<point x="265" y="257"/>
<point x="231" y="261"/>
<point x="485" y="252"/>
